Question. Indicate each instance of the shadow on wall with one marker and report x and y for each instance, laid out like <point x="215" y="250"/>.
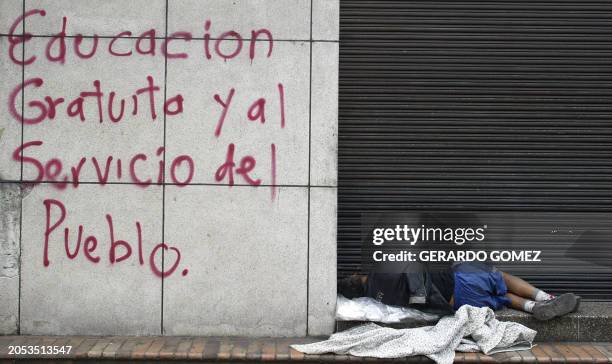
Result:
<point x="11" y="195"/>
<point x="10" y="206"/>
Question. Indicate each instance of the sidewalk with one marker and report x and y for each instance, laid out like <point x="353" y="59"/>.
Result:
<point x="241" y="349"/>
<point x="591" y="323"/>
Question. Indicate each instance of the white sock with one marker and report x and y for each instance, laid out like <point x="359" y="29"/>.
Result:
<point x="542" y="296"/>
<point x="528" y="306"/>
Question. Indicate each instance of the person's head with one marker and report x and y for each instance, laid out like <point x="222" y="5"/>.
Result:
<point x="351" y="287"/>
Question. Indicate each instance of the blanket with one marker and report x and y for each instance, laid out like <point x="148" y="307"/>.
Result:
<point x="471" y="329"/>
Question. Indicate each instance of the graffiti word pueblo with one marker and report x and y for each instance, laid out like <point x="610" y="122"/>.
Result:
<point x="89" y="247"/>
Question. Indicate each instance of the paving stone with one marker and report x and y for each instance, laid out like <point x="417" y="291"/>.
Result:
<point x="211" y="349"/>
<point x="470" y="358"/>
<point x="295" y="355"/>
<point x="181" y="349"/>
<point x="170" y="346"/>
<point x="598" y="356"/>
<point x="268" y="351"/>
<point x="82" y="350"/>
<point x="254" y="350"/>
<point x="541" y="356"/>
<point x="566" y="352"/>
<point x="111" y="350"/>
<point x="140" y="349"/>
<point x="225" y="349"/>
<point x="580" y="352"/>
<point x="98" y="348"/>
<point x="527" y="356"/>
<point x="486" y="358"/>
<point x="197" y="348"/>
<point x="282" y="349"/>
<point x="555" y="357"/>
<point x="152" y="351"/>
<point x="239" y="350"/>
<point x="128" y="346"/>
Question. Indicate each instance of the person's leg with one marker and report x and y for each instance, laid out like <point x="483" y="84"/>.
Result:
<point x="519" y="303"/>
<point x="519" y="287"/>
<point x="479" y="287"/>
<point x="544" y="310"/>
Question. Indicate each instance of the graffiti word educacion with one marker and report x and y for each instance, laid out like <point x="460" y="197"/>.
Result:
<point x="225" y="45"/>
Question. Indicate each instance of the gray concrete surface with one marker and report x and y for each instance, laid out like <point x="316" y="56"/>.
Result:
<point x="10" y="193"/>
<point x="286" y="19"/>
<point x="10" y="127"/>
<point x="101" y="17"/>
<point x="326" y="20"/>
<point x="10" y="213"/>
<point x="193" y="132"/>
<point x="324" y="140"/>
<point x="591" y="323"/>
<point x="78" y="296"/>
<point x="69" y="139"/>
<point x="246" y="259"/>
<point x="322" y="261"/>
<point x="244" y="250"/>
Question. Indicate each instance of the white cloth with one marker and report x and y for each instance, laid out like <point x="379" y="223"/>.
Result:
<point x="439" y="342"/>
<point x="368" y="309"/>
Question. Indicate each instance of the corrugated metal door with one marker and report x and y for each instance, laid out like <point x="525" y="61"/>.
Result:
<point x="476" y="106"/>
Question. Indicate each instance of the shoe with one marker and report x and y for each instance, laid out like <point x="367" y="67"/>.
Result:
<point x="578" y="298"/>
<point x="558" y="306"/>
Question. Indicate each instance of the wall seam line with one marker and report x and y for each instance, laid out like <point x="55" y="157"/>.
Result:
<point x="172" y="184"/>
<point x="164" y="179"/>
<point x="309" y="172"/>
<point x="245" y="39"/>
<point x="19" y="271"/>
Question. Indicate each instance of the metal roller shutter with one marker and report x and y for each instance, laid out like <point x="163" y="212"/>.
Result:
<point x="476" y="106"/>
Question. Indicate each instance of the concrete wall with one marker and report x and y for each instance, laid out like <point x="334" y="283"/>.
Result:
<point x="188" y="214"/>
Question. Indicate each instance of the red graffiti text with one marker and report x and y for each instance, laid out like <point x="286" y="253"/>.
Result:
<point x="78" y="242"/>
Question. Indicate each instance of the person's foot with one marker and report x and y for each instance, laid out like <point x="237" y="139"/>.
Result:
<point x="558" y="306"/>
